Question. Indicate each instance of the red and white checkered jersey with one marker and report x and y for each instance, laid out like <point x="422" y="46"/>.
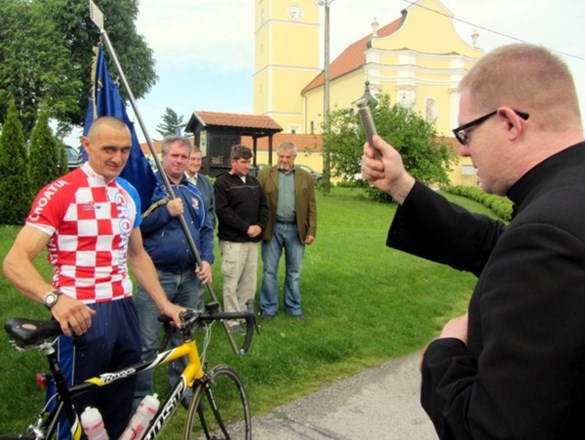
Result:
<point x="89" y="223"/>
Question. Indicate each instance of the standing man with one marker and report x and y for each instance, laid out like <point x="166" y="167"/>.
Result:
<point x="292" y="223"/>
<point x="89" y="221"/>
<point x="512" y="366"/>
<point x="201" y="181"/>
<point x="166" y="242"/>
<point x="242" y="214"/>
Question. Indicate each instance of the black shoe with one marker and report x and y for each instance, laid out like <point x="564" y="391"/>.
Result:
<point x="266" y="316"/>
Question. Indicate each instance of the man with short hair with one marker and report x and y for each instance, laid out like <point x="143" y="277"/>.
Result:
<point x="201" y="181"/>
<point x="292" y="223"/>
<point x="166" y="242"/>
<point x="89" y="222"/>
<point x="512" y="366"/>
<point x="242" y="214"/>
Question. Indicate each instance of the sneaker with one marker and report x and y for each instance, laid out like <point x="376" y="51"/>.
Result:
<point x="300" y="317"/>
<point x="266" y="316"/>
<point x="237" y="329"/>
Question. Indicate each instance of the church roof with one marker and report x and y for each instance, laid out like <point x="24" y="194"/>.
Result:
<point x="247" y="123"/>
<point x="353" y="57"/>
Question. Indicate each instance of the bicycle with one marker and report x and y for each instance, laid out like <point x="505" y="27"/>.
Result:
<point x="214" y="392"/>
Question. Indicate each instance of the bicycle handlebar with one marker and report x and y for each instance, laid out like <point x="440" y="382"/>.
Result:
<point x="192" y="318"/>
<point x="29" y="332"/>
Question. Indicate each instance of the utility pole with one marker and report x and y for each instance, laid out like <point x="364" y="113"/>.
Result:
<point x="326" y="99"/>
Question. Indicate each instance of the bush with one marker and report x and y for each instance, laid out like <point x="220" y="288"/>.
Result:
<point x="501" y="206"/>
<point x="423" y="154"/>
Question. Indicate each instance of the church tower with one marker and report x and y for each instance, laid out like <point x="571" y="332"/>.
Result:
<point x="286" y="59"/>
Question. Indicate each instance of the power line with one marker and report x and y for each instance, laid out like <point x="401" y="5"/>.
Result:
<point x="477" y="26"/>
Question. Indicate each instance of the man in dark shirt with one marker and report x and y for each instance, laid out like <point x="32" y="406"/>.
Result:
<point x="513" y="365"/>
<point x="242" y="214"/>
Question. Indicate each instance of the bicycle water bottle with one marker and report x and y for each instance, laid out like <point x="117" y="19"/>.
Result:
<point x="140" y="420"/>
<point x="93" y="424"/>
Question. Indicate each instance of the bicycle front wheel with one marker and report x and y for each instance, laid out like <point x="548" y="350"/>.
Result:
<point x="219" y="409"/>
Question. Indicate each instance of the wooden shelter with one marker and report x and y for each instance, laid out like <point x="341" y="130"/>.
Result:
<point x="215" y="133"/>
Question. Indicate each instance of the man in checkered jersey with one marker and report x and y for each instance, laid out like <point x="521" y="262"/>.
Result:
<point x="89" y="221"/>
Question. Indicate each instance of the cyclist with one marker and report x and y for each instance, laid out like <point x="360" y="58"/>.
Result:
<point x="89" y="221"/>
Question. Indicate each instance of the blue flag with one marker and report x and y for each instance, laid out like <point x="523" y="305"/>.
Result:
<point x="105" y="100"/>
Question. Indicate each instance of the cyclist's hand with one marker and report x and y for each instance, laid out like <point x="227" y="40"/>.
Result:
<point x="204" y="272"/>
<point x="172" y="311"/>
<point x="73" y="315"/>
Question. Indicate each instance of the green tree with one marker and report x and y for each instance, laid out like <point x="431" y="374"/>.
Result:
<point x="171" y="124"/>
<point x="45" y="155"/>
<point x="424" y="156"/>
<point x="15" y="193"/>
<point x="33" y="63"/>
<point x="46" y="55"/>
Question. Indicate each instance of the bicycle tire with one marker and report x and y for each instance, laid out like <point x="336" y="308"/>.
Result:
<point x="232" y="420"/>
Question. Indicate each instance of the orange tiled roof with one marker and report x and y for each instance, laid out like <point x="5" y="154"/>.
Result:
<point x="237" y="120"/>
<point x="310" y="143"/>
<point x="353" y="57"/>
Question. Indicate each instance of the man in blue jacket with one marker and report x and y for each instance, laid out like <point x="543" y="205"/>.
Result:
<point x="167" y="245"/>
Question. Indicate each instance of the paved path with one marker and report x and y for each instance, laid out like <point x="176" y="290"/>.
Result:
<point x="380" y="403"/>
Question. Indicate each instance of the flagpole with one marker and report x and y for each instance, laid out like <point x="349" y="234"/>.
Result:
<point x="98" y="19"/>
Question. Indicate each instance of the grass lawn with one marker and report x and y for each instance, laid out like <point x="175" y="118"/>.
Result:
<point x="365" y="304"/>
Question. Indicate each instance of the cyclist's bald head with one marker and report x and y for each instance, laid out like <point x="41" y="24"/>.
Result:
<point x="106" y="122"/>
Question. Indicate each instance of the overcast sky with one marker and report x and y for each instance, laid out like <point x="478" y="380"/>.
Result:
<point x="204" y="49"/>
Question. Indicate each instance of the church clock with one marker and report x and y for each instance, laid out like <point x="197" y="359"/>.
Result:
<point x="295" y="11"/>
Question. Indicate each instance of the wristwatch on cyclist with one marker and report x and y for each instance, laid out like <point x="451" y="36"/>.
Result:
<point x="51" y="299"/>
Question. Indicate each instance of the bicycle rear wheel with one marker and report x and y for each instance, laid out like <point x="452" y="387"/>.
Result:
<point x="219" y="409"/>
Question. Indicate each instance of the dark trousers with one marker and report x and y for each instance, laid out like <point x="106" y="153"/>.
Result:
<point x="111" y="343"/>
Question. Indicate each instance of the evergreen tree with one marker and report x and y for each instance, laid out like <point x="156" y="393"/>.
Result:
<point x="15" y="192"/>
<point x="45" y="154"/>
<point x="63" y="159"/>
<point x="172" y="123"/>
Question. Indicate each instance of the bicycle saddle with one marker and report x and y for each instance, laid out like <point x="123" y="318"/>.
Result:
<point x="26" y="332"/>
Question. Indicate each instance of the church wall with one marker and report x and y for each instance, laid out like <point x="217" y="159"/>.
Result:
<point x="419" y="65"/>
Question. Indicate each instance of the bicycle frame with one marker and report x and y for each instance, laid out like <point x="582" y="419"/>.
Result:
<point x="65" y="394"/>
<point x="37" y="333"/>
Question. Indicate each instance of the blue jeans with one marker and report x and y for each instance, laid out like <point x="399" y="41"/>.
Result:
<point x="285" y="237"/>
<point x="183" y="289"/>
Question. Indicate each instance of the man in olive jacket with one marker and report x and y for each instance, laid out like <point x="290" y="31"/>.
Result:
<point x="292" y="223"/>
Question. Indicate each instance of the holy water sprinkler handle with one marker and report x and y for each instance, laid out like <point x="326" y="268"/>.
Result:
<point x="368" y="124"/>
